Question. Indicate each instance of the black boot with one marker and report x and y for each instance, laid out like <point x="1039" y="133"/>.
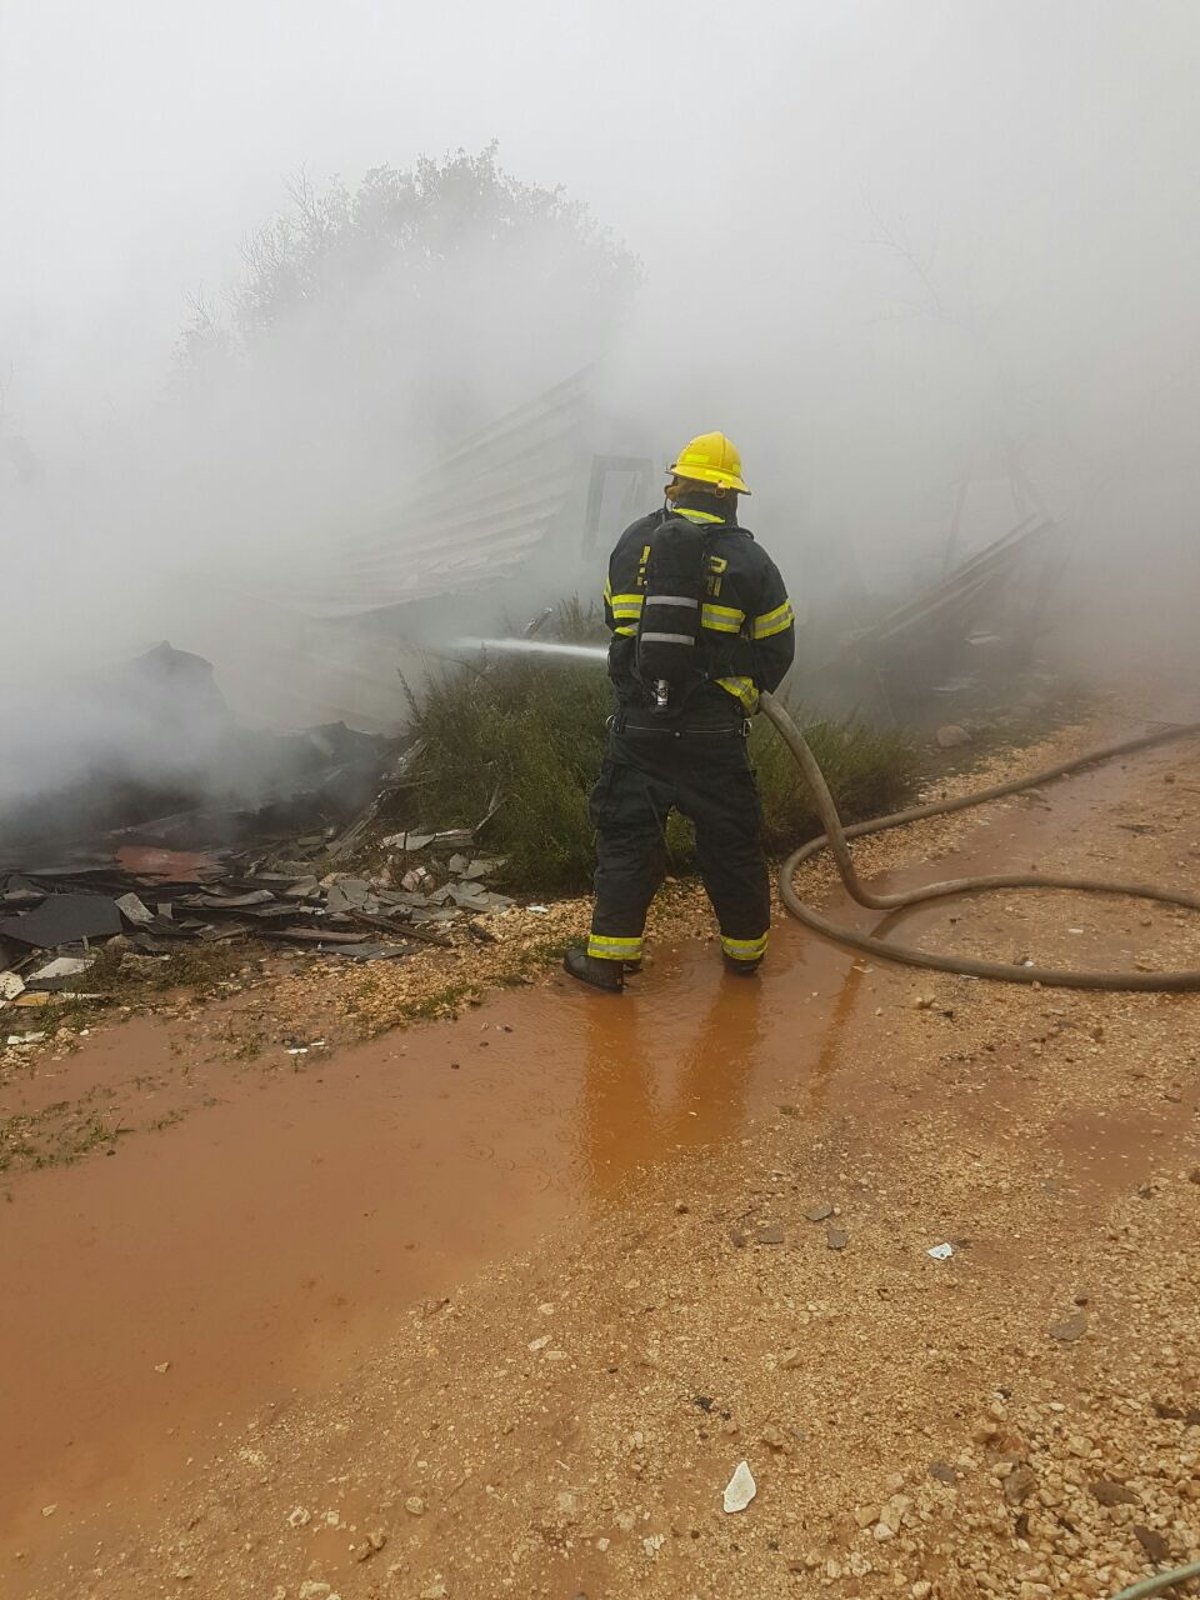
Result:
<point x="742" y="969"/>
<point x="606" y="975"/>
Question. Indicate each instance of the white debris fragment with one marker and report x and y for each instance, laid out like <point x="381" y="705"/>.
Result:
<point x="11" y="985"/>
<point x="62" y="967"/>
<point x="25" y="1038"/>
<point x="408" y="841"/>
<point x="741" y="1488"/>
<point x="134" y="910"/>
<point x="539" y="911"/>
<point x="941" y="1252"/>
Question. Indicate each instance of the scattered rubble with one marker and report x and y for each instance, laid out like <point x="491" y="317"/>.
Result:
<point x="153" y="850"/>
<point x="152" y="902"/>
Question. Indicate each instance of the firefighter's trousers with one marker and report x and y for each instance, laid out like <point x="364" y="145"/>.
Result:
<point x="705" y="774"/>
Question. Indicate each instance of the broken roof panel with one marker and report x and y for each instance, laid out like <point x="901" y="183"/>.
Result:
<point x="64" y="919"/>
<point x="474" y="516"/>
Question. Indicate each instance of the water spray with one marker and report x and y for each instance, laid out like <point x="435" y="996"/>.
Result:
<point x="537" y="647"/>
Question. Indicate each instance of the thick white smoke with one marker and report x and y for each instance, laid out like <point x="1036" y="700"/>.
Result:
<point x="889" y="249"/>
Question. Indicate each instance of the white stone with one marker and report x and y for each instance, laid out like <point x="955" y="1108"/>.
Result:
<point x="740" y="1489"/>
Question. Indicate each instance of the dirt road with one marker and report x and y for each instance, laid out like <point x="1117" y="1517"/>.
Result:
<point x="497" y="1306"/>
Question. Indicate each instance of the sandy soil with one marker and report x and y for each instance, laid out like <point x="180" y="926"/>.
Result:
<point x="751" y="1178"/>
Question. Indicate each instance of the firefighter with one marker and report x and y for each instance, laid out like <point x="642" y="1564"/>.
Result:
<point x="679" y="741"/>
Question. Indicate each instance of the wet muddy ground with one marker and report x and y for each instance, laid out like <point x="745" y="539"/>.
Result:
<point x="273" y="1222"/>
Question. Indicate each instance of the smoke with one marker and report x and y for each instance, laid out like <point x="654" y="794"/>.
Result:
<point x="889" y="249"/>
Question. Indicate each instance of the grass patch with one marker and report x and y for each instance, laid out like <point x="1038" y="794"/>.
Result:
<point x="527" y="733"/>
<point x="445" y="1002"/>
<point x="56" y="1136"/>
<point x="129" y="977"/>
<point x="120" y="977"/>
<point x="531" y="735"/>
<point x="870" y="771"/>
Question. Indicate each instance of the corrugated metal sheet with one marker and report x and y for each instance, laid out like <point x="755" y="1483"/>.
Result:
<point x="471" y="519"/>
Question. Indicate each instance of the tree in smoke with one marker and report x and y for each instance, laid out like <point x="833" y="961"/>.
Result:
<point x="415" y="305"/>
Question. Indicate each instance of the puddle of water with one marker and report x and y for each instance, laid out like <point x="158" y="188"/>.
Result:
<point x="265" y="1242"/>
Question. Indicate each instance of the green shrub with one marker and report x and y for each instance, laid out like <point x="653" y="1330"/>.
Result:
<point x="530" y="734"/>
<point x="870" y="771"/>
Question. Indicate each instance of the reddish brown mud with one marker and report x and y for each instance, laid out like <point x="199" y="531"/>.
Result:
<point x="172" y="1282"/>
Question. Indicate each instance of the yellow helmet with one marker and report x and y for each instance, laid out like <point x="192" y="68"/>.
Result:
<point x="711" y="458"/>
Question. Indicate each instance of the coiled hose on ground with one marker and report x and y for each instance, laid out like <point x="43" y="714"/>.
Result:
<point x="836" y="837"/>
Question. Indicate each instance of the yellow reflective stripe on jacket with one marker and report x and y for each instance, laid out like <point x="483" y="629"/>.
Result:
<point x="696" y="516"/>
<point x="742" y="689"/>
<point x="626" y="633"/>
<point x="607" y="948"/>
<point x="626" y="606"/>
<point x="722" y="619"/>
<point x="607" y="591"/>
<point x="745" y="949"/>
<point x="772" y="622"/>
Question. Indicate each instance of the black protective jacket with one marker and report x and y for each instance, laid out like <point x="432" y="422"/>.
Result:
<point x="749" y="627"/>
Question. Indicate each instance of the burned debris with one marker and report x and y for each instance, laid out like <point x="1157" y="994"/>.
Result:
<point x="159" y="900"/>
<point x="981" y="621"/>
<point x="301" y="861"/>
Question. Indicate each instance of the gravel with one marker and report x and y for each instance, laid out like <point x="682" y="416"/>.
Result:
<point x="913" y="1430"/>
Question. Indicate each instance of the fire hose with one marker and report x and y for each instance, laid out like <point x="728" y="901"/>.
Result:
<point x="1159" y="1583"/>
<point x="836" y="837"/>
